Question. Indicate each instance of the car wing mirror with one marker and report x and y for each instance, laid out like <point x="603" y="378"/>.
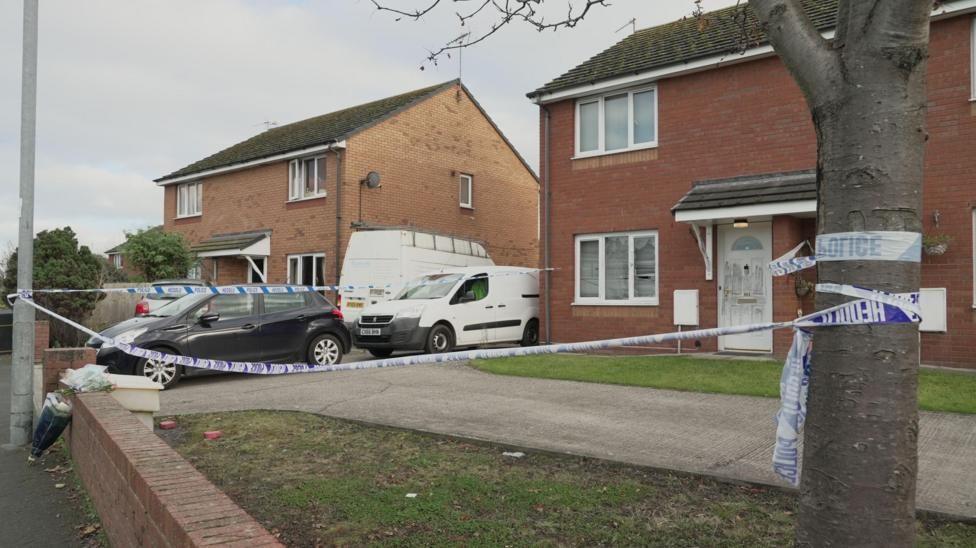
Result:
<point x="209" y="318"/>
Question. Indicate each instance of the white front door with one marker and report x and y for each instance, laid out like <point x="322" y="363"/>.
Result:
<point x="745" y="285"/>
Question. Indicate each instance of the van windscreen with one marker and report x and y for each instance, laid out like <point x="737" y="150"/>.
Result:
<point x="432" y="286"/>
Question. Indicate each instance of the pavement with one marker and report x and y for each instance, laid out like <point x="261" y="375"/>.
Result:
<point x="729" y="437"/>
<point x="32" y="511"/>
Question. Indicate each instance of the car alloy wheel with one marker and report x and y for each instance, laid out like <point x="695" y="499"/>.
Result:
<point x="326" y="351"/>
<point x="159" y="371"/>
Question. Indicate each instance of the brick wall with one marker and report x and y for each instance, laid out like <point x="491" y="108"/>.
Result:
<point x="145" y="493"/>
<point x="58" y="360"/>
<point x="42" y="338"/>
<point x="415" y="152"/>
<point x="742" y="119"/>
<point x="420" y="153"/>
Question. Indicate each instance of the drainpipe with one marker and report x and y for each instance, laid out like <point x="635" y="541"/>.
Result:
<point x="547" y="224"/>
<point x="338" y="231"/>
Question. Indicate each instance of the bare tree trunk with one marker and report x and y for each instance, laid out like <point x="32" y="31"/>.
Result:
<point x="866" y="92"/>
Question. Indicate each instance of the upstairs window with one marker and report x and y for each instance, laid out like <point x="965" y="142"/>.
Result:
<point x="189" y="199"/>
<point x="616" y="122"/>
<point x="306" y="178"/>
<point x="466" y="190"/>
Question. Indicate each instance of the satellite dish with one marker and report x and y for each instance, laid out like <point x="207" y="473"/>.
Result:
<point x="372" y="180"/>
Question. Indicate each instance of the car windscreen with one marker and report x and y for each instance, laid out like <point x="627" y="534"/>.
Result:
<point x="432" y="286"/>
<point x="181" y="305"/>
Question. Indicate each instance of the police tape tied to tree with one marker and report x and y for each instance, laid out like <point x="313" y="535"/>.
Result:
<point x="869" y="307"/>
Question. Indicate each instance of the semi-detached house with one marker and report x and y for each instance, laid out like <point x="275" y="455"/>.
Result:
<point x="675" y="162"/>
<point x="280" y="206"/>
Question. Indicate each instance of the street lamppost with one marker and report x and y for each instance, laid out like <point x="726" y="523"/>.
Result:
<point x="22" y="366"/>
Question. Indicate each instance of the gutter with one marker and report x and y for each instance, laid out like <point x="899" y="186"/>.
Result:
<point x="547" y="224"/>
<point x="245" y="165"/>
<point x="335" y="147"/>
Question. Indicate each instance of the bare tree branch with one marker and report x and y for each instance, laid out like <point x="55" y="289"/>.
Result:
<point x="505" y="12"/>
<point x="813" y="62"/>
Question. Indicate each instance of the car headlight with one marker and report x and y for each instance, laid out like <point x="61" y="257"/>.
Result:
<point x="126" y="337"/>
<point x="414" y="312"/>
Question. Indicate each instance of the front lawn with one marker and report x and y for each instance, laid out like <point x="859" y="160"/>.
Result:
<point x="317" y="481"/>
<point x="939" y="390"/>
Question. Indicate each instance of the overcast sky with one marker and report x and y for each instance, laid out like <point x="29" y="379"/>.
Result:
<point x="130" y="90"/>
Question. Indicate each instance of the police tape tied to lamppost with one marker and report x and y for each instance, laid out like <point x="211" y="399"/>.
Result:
<point x="869" y="307"/>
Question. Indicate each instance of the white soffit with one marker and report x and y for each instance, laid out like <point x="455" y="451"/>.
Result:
<point x="753" y="212"/>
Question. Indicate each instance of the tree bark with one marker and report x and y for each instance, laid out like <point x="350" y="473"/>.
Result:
<point x="866" y="93"/>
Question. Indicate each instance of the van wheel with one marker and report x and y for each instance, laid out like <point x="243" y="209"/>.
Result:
<point x="380" y="352"/>
<point x="440" y="339"/>
<point x="166" y="374"/>
<point x="324" y="350"/>
<point x="530" y="336"/>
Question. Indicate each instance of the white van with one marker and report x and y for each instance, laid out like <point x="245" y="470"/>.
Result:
<point x="386" y="259"/>
<point x="454" y="307"/>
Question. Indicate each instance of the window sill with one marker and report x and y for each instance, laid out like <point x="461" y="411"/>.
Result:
<point x="615" y="303"/>
<point x="584" y="155"/>
<point x="195" y="215"/>
<point x="468" y="207"/>
<point x="316" y="197"/>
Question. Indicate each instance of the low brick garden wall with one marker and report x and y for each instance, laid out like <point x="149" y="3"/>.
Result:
<point x="145" y="493"/>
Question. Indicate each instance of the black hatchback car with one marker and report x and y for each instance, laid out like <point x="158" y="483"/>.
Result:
<point x="254" y="327"/>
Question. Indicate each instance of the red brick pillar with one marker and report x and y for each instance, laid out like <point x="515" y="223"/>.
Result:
<point x="42" y="339"/>
<point x="57" y="360"/>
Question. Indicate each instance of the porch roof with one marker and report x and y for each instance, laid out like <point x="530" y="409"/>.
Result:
<point x="750" y="195"/>
<point x="255" y="244"/>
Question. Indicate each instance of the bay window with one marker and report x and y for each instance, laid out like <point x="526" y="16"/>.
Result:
<point x="617" y="268"/>
<point x="189" y="199"/>
<point x="306" y="178"/>
<point x="615" y="122"/>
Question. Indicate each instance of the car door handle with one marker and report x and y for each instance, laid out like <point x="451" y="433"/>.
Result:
<point x="502" y="306"/>
<point x="248" y="326"/>
<point x="487" y="307"/>
<point x="300" y="317"/>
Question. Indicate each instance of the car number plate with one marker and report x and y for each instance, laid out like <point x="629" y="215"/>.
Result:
<point x="369" y="331"/>
<point x="354" y="304"/>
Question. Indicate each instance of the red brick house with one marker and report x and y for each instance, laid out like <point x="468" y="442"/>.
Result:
<point x="672" y="164"/>
<point x="280" y="206"/>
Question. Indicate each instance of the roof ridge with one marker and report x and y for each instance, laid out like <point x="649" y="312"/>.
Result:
<point x="676" y="42"/>
<point x="309" y="132"/>
<point x="426" y="92"/>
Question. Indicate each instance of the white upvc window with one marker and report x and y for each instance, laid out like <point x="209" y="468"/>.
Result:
<point x="306" y="178"/>
<point x="617" y="122"/>
<point x="466" y="190"/>
<point x="619" y="268"/>
<point x="117" y="260"/>
<point x="306" y="269"/>
<point x="189" y="199"/>
<point x="972" y="59"/>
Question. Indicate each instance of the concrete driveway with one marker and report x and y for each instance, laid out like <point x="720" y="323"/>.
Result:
<point x="723" y="436"/>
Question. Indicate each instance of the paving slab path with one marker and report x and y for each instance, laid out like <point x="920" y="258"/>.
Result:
<point x="717" y="435"/>
<point x="32" y="511"/>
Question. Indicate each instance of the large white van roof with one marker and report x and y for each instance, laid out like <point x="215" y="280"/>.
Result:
<point x="471" y="270"/>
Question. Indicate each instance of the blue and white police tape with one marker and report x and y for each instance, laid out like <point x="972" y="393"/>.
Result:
<point x="853" y="246"/>
<point x="177" y="289"/>
<point x="793" y="386"/>
<point x="881" y="308"/>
